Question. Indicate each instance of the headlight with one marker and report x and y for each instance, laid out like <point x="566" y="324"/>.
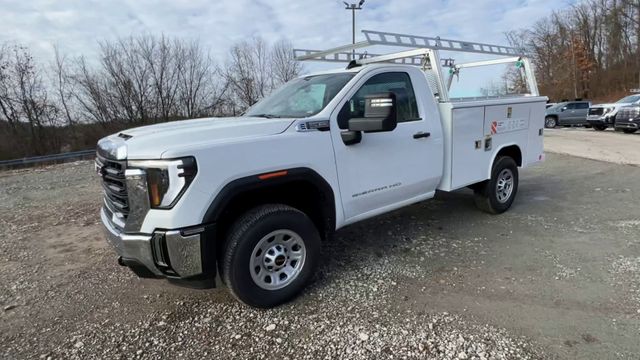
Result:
<point x="608" y="110"/>
<point x="167" y="180"/>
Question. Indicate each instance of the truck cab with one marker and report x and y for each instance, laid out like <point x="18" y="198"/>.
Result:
<point x="249" y="200"/>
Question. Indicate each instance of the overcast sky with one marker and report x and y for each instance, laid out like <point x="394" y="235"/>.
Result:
<point x="76" y="25"/>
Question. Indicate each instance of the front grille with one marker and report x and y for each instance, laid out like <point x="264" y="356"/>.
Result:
<point x="596" y="111"/>
<point x="627" y="113"/>
<point x="114" y="185"/>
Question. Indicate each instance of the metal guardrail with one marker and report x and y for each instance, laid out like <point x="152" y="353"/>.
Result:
<point x="45" y="159"/>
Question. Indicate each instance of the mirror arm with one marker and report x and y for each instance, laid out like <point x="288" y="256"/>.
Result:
<point x="351" y="137"/>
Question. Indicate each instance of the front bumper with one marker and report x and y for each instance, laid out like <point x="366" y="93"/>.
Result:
<point x="601" y="120"/>
<point x="628" y="124"/>
<point x="184" y="256"/>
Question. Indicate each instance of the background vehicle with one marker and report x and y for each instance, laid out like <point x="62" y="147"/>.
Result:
<point x="550" y="105"/>
<point x="252" y="197"/>
<point x="603" y="116"/>
<point x="628" y="119"/>
<point x="567" y="113"/>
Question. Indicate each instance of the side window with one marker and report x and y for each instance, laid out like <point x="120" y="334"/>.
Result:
<point x="571" y="106"/>
<point x="583" y="106"/>
<point x="396" y="82"/>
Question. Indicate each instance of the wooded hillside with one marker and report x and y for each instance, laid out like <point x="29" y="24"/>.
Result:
<point x="590" y="50"/>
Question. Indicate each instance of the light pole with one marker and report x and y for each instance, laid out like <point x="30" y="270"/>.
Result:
<point x="353" y="7"/>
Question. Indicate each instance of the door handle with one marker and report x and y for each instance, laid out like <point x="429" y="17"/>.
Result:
<point x="421" y="135"/>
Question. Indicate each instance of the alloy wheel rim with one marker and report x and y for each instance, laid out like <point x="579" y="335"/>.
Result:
<point x="504" y="185"/>
<point x="551" y="122"/>
<point x="277" y="259"/>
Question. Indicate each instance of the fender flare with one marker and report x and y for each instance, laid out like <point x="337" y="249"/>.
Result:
<point x="255" y="182"/>
<point x="495" y="155"/>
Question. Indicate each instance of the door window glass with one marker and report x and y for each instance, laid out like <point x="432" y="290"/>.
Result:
<point x="397" y="82"/>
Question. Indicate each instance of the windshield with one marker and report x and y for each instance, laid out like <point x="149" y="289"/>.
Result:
<point x="302" y="97"/>
<point x="557" y="106"/>
<point x="629" y="99"/>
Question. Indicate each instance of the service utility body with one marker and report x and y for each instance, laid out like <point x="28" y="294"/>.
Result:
<point x="249" y="199"/>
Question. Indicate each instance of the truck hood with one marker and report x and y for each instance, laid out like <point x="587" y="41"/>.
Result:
<point x="149" y="142"/>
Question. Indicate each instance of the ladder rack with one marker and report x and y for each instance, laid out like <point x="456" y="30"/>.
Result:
<point x="345" y="57"/>
<point x="344" y="54"/>
<point x="436" y="43"/>
<point x="423" y="51"/>
<point x="316" y="55"/>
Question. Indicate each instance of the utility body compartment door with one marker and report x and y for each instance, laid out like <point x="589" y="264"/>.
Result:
<point x="388" y="170"/>
<point x="468" y="156"/>
<point x="476" y="131"/>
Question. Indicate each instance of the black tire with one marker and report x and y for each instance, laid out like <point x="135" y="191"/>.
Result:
<point x="550" y="122"/>
<point x="242" y="239"/>
<point x="629" y="131"/>
<point x="599" y="127"/>
<point x="486" y="196"/>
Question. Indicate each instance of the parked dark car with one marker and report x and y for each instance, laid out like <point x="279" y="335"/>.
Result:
<point x="628" y="119"/>
<point x="567" y="113"/>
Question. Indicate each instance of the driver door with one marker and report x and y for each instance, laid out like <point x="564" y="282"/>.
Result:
<point x="385" y="170"/>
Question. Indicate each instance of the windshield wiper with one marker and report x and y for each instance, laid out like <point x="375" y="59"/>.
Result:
<point x="268" y="116"/>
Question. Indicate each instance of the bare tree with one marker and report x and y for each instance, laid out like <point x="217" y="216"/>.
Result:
<point x="134" y="81"/>
<point x="284" y="67"/>
<point x="590" y="50"/>
<point x="254" y="70"/>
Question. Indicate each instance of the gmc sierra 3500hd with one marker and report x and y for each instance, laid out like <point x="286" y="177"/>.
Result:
<point x="251" y="198"/>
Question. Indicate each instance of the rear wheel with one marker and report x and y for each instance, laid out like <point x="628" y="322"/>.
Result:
<point x="496" y="195"/>
<point x="270" y="254"/>
<point x="629" y="131"/>
<point x="550" y="122"/>
<point x="599" y="127"/>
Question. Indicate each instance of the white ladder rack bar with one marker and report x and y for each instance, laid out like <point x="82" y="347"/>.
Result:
<point x="324" y="53"/>
<point x="488" y="62"/>
<point x="345" y="57"/>
<point x="409" y="54"/>
<point x="424" y="42"/>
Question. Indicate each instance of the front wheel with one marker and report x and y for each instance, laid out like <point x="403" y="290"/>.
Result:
<point x="550" y="122"/>
<point x="496" y="195"/>
<point x="599" y="127"/>
<point x="270" y="254"/>
<point x="629" y="131"/>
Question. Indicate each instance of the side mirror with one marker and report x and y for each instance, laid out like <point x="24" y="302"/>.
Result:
<point x="563" y="109"/>
<point x="380" y="114"/>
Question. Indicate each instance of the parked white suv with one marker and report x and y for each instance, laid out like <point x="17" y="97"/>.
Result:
<point x="252" y="198"/>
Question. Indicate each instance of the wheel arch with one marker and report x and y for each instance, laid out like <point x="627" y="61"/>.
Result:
<point x="511" y="150"/>
<point x="301" y="188"/>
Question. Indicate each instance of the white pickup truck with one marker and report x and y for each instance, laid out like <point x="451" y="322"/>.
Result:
<point x="251" y="198"/>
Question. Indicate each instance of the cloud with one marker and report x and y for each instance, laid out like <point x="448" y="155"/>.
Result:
<point x="76" y="25"/>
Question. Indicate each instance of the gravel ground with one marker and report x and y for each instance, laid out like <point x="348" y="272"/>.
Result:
<point x="556" y="277"/>
<point x="609" y="145"/>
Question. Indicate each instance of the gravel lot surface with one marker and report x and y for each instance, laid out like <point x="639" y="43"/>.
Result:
<point x="608" y="145"/>
<point x="556" y="277"/>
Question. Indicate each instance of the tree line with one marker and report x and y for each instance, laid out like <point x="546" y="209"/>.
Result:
<point x="590" y="50"/>
<point x="69" y="103"/>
